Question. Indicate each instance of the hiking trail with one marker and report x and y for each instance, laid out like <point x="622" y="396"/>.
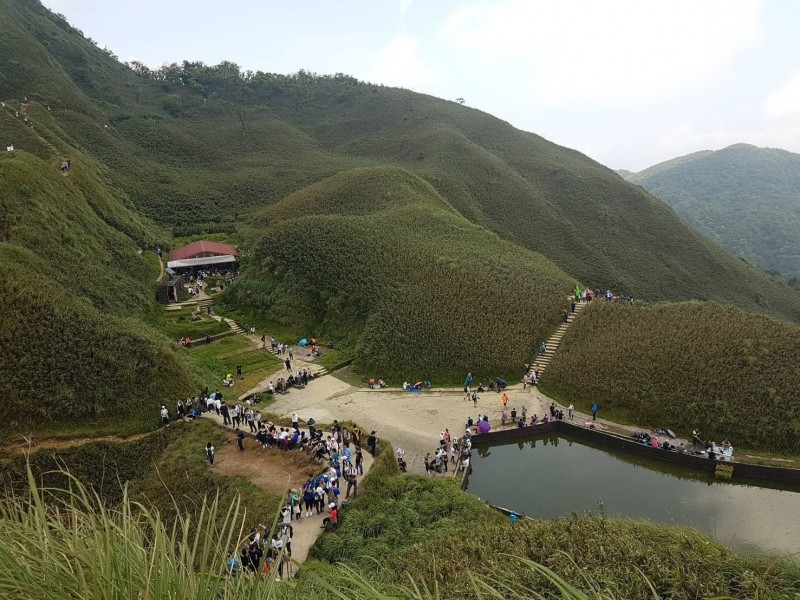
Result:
<point x="552" y="343"/>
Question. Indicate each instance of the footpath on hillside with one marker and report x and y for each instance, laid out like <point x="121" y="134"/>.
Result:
<point x="307" y="530"/>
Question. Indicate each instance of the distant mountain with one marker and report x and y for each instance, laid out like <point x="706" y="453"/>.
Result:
<point x="745" y="198"/>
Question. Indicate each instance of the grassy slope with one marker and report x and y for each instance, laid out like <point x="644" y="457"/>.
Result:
<point x="683" y="366"/>
<point x="378" y="256"/>
<point x="166" y="470"/>
<point x="65" y="361"/>
<point x="228" y="147"/>
<point x="433" y="531"/>
<point x="401" y="528"/>
<point x="72" y="276"/>
<point x="745" y="198"/>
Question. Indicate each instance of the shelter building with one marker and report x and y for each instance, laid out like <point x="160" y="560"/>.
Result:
<point x="169" y="289"/>
<point x="203" y="255"/>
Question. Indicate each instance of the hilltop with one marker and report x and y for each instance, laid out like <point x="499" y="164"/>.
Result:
<point x="378" y="256"/>
<point x="360" y="208"/>
<point x="745" y="198"/>
<point x="200" y="148"/>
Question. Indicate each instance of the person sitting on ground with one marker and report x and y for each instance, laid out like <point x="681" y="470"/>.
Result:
<point x="333" y="516"/>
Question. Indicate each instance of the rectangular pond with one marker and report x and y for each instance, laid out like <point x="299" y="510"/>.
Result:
<point x="554" y="475"/>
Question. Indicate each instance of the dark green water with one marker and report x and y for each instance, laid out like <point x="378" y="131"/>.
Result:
<point x="554" y="476"/>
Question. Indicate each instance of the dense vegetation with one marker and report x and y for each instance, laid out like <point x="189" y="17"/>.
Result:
<point x="691" y="365"/>
<point x="166" y="471"/>
<point x="74" y="279"/>
<point x="379" y="256"/>
<point x="435" y="532"/>
<point x="424" y="266"/>
<point x="201" y="148"/>
<point x="745" y="198"/>
<point x="405" y="536"/>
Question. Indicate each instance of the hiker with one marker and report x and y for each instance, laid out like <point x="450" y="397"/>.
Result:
<point x="352" y="482"/>
<point x="288" y="365"/>
<point x="225" y="412"/>
<point x="240" y="439"/>
<point x="239" y="372"/>
<point x="263" y="342"/>
<point x="594" y="411"/>
<point x="372" y="442"/>
<point x="571" y="411"/>
<point x="210" y="453"/>
<point x="359" y="461"/>
<point x="164" y="416"/>
<point x="179" y="409"/>
<point x="566" y="314"/>
<point x="542" y="348"/>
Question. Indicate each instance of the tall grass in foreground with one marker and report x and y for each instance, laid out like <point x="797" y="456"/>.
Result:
<point x="78" y="548"/>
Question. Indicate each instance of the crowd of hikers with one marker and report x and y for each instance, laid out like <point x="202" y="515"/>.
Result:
<point x="268" y="550"/>
<point x="589" y="295"/>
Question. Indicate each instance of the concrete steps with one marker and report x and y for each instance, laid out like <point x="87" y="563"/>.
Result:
<point x="542" y="360"/>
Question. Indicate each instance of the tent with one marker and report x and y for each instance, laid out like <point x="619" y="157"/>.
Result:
<point x="303" y="343"/>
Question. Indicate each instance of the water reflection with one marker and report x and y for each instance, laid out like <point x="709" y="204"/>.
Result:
<point x="576" y="476"/>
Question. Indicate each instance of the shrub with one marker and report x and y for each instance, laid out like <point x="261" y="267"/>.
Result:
<point x="729" y="373"/>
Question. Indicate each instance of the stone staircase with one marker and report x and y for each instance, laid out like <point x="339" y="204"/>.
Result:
<point x="552" y="343"/>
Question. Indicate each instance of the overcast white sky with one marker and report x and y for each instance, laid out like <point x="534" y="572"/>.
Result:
<point x="628" y="82"/>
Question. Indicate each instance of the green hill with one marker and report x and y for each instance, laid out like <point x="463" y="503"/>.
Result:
<point x="366" y="208"/>
<point x="379" y="257"/>
<point x="73" y="281"/>
<point x="745" y="198"/>
<point x="683" y="366"/>
<point x="203" y="148"/>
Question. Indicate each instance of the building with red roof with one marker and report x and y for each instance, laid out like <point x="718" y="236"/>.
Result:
<point x="202" y="254"/>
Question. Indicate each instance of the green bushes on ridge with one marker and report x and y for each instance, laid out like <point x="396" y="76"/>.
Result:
<point x="65" y="361"/>
<point x="692" y="365"/>
<point x="423" y="529"/>
<point x="378" y="257"/>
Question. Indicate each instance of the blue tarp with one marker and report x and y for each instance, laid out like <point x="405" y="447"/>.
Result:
<point x="303" y="343"/>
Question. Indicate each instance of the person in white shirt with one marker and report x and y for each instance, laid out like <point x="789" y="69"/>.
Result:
<point x="164" y="415"/>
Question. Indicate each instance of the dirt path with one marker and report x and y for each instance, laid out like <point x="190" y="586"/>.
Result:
<point x="31" y="445"/>
<point x="276" y="472"/>
<point x="160" y="269"/>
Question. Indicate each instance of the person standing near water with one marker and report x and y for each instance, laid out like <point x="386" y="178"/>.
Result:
<point x="594" y="411"/>
<point x="571" y="411"/>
